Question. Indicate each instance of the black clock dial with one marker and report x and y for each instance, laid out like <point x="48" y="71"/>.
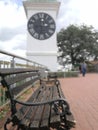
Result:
<point x="41" y="26"/>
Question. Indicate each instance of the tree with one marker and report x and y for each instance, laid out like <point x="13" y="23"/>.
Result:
<point x="77" y="43"/>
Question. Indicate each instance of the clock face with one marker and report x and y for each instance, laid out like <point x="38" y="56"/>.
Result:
<point x="41" y="26"/>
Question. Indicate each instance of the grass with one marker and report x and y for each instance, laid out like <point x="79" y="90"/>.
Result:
<point x="4" y="111"/>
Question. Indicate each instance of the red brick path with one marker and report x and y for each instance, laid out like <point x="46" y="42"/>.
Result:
<point x="82" y="95"/>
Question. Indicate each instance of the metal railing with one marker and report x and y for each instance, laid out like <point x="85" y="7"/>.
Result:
<point x="9" y="60"/>
<point x="16" y="61"/>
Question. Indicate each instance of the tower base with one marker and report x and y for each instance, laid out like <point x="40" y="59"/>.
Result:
<point x="47" y="59"/>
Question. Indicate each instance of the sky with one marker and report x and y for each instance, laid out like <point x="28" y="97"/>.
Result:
<point x="13" y="21"/>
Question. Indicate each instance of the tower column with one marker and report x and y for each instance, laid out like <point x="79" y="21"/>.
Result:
<point x="41" y="34"/>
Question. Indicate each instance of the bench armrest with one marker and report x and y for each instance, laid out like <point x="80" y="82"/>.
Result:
<point x="46" y="102"/>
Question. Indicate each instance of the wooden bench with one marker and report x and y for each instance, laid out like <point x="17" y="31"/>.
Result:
<point x="46" y="108"/>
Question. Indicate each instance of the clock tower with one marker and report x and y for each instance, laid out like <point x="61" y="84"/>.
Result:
<point x="41" y="31"/>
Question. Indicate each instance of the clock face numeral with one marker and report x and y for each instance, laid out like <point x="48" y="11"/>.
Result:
<point x="52" y="26"/>
<point x="50" y="31"/>
<point x="36" y="35"/>
<point x="41" y="15"/>
<point x="32" y="30"/>
<point x="41" y="37"/>
<point x="41" y="26"/>
<point x="47" y="35"/>
<point x="30" y="25"/>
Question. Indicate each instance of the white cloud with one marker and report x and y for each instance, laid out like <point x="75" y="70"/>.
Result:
<point x="78" y="12"/>
<point x="12" y="28"/>
<point x="11" y="16"/>
<point x="15" y="45"/>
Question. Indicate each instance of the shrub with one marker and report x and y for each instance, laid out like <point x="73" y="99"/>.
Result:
<point x="68" y="74"/>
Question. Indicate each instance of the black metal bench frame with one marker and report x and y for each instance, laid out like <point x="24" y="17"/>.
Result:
<point x="59" y="104"/>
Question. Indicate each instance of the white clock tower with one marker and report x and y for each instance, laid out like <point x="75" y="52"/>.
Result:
<point x="41" y="34"/>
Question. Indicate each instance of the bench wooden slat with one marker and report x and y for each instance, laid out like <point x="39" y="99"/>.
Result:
<point x="54" y="118"/>
<point x="45" y="117"/>
<point x="20" y="114"/>
<point x="37" y="118"/>
<point x="19" y="77"/>
<point x="30" y="115"/>
<point x="29" y="112"/>
<point x="9" y="71"/>
<point x="18" y="89"/>
<point x="46" y="114"/>
<point x="60" y="91"/>
<point x="39" y="110"/>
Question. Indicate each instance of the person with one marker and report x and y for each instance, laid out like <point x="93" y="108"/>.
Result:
<point x="80" y="68"/>
<point x="83" y="68"/>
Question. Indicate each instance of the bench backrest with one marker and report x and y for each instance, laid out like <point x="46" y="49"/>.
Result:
<point x="17" y="79"/>
<point x="52" y="76"/>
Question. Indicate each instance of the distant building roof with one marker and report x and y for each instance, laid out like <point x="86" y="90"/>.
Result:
<point x="42" y="0"/>
<point x="93" y="62"/>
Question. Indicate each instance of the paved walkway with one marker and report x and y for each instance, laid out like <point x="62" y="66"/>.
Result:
<point x="82" y="95"/>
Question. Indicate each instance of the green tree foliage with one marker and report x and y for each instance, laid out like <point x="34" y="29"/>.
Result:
<point x="77" y="43"/>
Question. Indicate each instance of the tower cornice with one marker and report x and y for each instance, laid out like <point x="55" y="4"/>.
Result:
<point x="29" y="5"/>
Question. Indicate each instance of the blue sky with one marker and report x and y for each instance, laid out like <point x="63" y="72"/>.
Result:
<point x="13" y="22"/>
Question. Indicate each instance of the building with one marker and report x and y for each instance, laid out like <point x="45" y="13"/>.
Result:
<point x="41" y="34"/>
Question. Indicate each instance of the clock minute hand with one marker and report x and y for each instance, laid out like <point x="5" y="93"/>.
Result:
<point x="46" y="25"/>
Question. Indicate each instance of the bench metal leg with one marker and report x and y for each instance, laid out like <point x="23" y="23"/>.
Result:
<point x="6" y="123"/>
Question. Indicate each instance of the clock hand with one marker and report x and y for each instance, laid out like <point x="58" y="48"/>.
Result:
<point x="46" y="25"/>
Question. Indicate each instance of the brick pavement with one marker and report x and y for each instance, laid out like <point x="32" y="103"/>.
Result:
<point x="82" y="95"/>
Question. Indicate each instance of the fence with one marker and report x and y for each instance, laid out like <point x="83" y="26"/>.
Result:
<point x="9" y="60"/>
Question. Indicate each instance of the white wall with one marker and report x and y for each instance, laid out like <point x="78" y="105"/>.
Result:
<point x="50" y="61"/>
